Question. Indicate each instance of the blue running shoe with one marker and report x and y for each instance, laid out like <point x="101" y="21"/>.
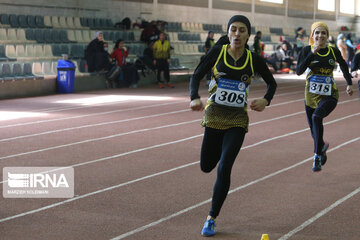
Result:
<point x="208" y="229"/>
<point x="323" y="153"/>
<point x="316" y="164"/>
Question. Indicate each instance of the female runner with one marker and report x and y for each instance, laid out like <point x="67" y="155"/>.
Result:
<point x="226" y="119"/>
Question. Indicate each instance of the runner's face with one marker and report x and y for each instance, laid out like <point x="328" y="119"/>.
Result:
<point x="320" y="36"/>
<point x="238" y="34"/>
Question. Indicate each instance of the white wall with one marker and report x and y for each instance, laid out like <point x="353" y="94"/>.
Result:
<point x="118" y="9"/>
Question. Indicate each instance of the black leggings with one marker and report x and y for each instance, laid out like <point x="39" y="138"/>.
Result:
<point x="223" y="146"/>
<point x="162" y="65"/>
<point x="315" y="119"/>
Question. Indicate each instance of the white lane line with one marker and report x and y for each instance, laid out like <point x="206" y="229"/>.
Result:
<point x="152" y="224"/>
<point x="109" y="112"/>
<point x="319" y="215"/>
<point x="63" y="108"/>
<point x="104" y="123"/>
<point x="95" y="125"/>
<point x="102" y="159"/>
<point x="90" y="115"/>
<point x="156" y="174"/>
<point x="169" y="143"/>
<point x="113" y="122"/>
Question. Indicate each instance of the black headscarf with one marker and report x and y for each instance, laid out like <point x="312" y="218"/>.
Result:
<point x="240" y="18"/>
<point x="237" y="18"/>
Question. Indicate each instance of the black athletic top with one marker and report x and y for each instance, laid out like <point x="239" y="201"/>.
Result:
<point x="319" y="80"/>
<point x="237" y="75"/>
<point x="355" y="63"/>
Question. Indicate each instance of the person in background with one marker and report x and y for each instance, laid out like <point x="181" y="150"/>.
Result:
<point x="150" y="32"/>
<point x="208" y="44"/>
<point x="129" y="76"/>
<point x="257" y="43"/>
<point x="226" y="118"/>
<point x="161" y="50"/>
<point x="300" y="32"/>
<point x="340" y="43"/>
<point x="321" y="92"/>
<point x="331" y="42"/>
<point x="148" y="56"/>
<point x="209" y="41"/>
<point x="355" y="65"/>
<point x="350" y="49"/>
<point x="286" y="55"/>
<point x="96" y="57"/>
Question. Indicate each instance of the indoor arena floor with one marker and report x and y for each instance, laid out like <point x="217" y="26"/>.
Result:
<point x="135" y="155"/>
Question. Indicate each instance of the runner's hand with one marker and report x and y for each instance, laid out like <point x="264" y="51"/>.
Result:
<point x="349" y="90"/>
<point x="354" y="74"/>
<point x="315" y="49"/>
<point x="196" y="105"/>
<point x="258" y="104"/>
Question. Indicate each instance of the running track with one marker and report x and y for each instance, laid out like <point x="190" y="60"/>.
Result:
<point x="135" y="153"/>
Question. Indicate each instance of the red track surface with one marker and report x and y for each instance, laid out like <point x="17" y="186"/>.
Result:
<point x="137" y="172"/>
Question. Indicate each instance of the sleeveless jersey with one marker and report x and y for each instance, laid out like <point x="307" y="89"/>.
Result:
<point x="320" y="80"/>
<point x="226" y="106"/>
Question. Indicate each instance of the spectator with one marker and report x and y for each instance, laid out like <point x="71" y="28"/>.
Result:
<point x="162" y="59"/>
<point x="257" y="43"/>
<point x="129" y="76"/>
<point x="138" y="23"/>
<point x="271" y="60"/>
<point x="340" y="43"/>
<point x="148" y="56"/>
<point x="355" y="65"/>
<point x="287" y="56"/>
<point x="208" y="44"/>
<point x="209" y="41"/>
<point x="150" y="32"/>
<point x="125" y="24"/>
<point x="350" y="49"/>
<point x="331" y="42"/>
<point x="300" y="32"/>
<point x="96" y="57"/>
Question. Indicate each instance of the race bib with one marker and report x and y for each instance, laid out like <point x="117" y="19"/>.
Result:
<point x="320" y="85"/>
<point x="231" y="93"/>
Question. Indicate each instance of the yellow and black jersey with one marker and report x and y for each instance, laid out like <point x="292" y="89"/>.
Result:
<point x="319" y="79"/>
<point x="226" y="106"/>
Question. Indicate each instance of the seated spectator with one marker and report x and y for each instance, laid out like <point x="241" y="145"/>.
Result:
<point x="96" y="57"/>
<point x="138" y="23"/>
<point x="150" y="32"/>
<point x="129" y="76"/>
<point x="270" y="59"/>
<point x="287" y="57"/>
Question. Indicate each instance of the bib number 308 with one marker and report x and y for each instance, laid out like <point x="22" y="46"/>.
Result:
<point x="229" y="98"/>
<point x="231" y="93"/>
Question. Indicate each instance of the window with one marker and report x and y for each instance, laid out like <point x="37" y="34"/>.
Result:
<point x="273" y="1"/>
<point x="347" y="6"/>
<point x="326" y="5"/>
